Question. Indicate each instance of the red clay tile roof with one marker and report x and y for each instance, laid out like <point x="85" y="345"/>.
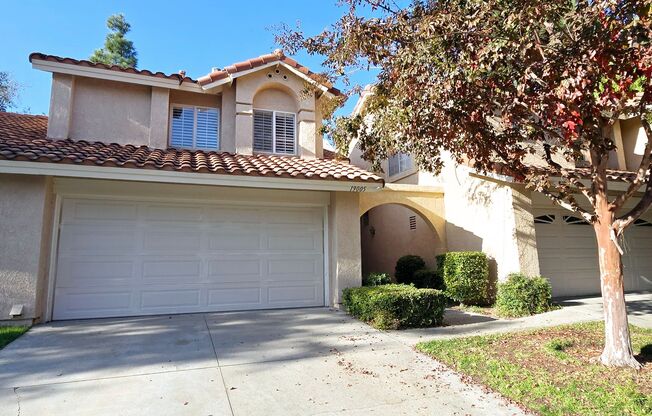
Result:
<point x="23" y="138"/>
<point x="71" y="61"/>
<point x="276" y="56"/>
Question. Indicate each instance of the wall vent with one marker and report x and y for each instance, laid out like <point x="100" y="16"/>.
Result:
<point x="413" y="222"/>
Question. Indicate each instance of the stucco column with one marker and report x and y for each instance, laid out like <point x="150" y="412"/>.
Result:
<point x="307" y="134"/>
<point x="158" y="118"/>
<point x="227" y="134"/>
<point x="344" y="237"/>
<point x="61" y="99"/>
<point x="244" y="128"/>
<point x="26" y="204"/>
<point x="524" y="231"/>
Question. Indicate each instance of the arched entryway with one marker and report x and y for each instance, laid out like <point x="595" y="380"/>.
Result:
<point x="390" y="231"/>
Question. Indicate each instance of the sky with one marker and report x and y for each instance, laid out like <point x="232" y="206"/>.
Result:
<point x="168" y="35"/>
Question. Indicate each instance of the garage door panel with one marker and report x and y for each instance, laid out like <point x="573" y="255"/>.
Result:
<point x="170" y="298"/>
<point x="173" y="240"/>
<point x="233" y="240"/>
<point x="247" y="297"/>
<point x="176" y="258"/>
<point x="159" y="270"/>
<point x="81" y="239"/>
<point x="73" y="303"/>
<point x="291" y="217"/>
<point x="299" y="295"/>
<point x="99" y="211"/>
<point x="296" y="241"/>
<point x="234" y="215"/>
<point x="293" y="269"/>
<point x="105" y="271"/>
<point x="173" y="213"/>
<point x="234" y="270"/>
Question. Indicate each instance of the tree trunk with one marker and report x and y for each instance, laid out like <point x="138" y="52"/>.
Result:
<point x="617" y="344"/>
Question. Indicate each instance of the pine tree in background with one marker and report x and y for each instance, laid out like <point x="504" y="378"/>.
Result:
<point x="117" y="50"/>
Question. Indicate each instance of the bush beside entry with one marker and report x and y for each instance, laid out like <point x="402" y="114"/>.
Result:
<point x="406" y="266"/>
<point x="376" y="279"/>
<point x="521" y="295"/>
<point x="466" y="276"/>
<point x="428" y="278"/>
<point x="395" y="306"/>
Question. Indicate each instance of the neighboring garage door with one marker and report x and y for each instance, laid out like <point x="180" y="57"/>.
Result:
<point x="126" y="258"/>
<point x="568" y="254"/>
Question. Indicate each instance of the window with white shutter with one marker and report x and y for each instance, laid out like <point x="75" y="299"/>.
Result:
<point x="194" y="127"/>
<point x="399" y="163"/>
<point x="274" y="132"/>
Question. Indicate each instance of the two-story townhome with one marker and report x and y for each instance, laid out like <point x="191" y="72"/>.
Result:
<point x="145" y="193"/>
<point x="518" y="229"/>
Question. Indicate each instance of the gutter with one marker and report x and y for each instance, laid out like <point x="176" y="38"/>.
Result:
<point x="165" y="176"/>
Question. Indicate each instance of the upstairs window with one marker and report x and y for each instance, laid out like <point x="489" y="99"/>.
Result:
<point x="274" y="132"/>
<point x="399" y="163"/>
<point x="194" y="127"/>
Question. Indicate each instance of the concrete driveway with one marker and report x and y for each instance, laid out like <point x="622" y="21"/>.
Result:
<point x="286" y="362"/>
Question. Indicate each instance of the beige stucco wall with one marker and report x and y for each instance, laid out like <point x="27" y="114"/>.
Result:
<point x="492" y="217"/>
<point x="26" y="205"/>
<point x="265" y="88"/>
<point x="110" y="111"/>
<point x="345" y="266"/>
<point x="387" y="236"/>
<point x="276" y="100"/>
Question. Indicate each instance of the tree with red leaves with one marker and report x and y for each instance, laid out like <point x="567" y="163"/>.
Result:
<point x="499" y="83"/>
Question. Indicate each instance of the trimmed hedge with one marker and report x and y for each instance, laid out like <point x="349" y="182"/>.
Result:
<point x="521" y="295"/>
<point x="376" y="279"/>
<point x="427" y="278"/>
<point x="405" y="268"/>
<point x="466" y="276"/>
<point x="395" y="306"/>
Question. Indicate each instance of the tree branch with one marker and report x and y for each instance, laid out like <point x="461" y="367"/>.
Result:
<point x="635" y="213"/>
<point x="570" y="205"/>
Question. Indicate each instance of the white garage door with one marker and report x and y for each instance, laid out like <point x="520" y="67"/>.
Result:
<point x="568" y="254"/>
<point x="126" y="258"/>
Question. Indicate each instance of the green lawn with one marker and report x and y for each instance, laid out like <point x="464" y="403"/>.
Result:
<point x="550" y="371"/>
<point x="10" y="333"/>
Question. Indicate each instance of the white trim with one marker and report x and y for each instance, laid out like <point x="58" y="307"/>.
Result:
<point x="194" y="126"/>
<point x="327" y="280"/>
<point x="229" y="79"/>
<point x="150" y="175"/>
<point x="112" y="75"/>
<point x="54" y="256"/>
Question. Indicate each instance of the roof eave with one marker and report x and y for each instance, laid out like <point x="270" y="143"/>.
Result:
<point x="165" y="176"/>
<point x="112" y="75"/>
<point x="231" y="76"/>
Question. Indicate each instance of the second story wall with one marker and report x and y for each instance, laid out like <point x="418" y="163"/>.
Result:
<point x="137" y="112"/>
<point x="110" y="111"/>
<point x="91" y="109"/>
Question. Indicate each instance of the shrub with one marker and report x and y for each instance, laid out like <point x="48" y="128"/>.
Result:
<point x="395" y="306"/>
<point x="406" y="266"/>
<point x="376" y="279"/>
<point x="521" y="295"/>
<point x="427" y="278"/>
<point x="466" y="276"/>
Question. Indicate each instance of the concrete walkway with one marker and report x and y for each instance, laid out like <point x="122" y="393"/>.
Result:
<point x="284" y="362"/>
<point x="459" y="324"/>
